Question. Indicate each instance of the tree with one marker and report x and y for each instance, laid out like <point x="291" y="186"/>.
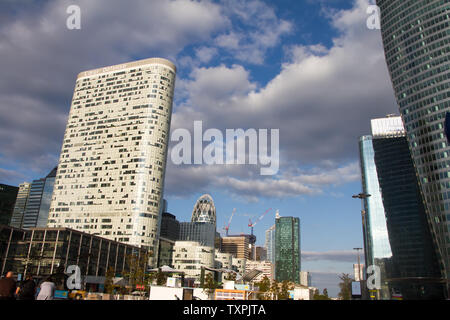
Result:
<point x="275" y="289"/>
<point x="284" y="291"/>
<point x="137" y="267"/>
<point x="231" y="276"/>
<point x="264" y="286"/>
<point x="346" y="287"/>
<point x="109" y="283"/>
<point x="161" y="278"/>
<point x="318" y="296"/>
<point x="209" y="285"/>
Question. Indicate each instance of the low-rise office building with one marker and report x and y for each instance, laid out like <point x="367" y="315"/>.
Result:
<point x="45" y="251"/>
<point x="189" y="257"/>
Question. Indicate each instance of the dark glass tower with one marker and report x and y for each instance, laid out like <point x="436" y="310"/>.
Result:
<point x="416" y="38"/>
<point x="377" y="249"/>
<point x="8" y="195"/>
<point x="415" y="269"/>
<point x="287" y="249"/>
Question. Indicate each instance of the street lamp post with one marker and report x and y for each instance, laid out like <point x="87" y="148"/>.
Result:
<point x="361" y="196"/>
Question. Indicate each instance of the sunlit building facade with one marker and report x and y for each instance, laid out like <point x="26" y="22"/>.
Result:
<point x="110" y="176"/>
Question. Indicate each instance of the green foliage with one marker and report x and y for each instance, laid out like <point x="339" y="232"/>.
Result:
<point x="318" y="296"/>
<point x="109" y="284"/>
<point x="346" y="287"/>
<point x="284" y="291"/>
<point x="137" y="265"/>
<point x="209" y="285"/>
<point x="231" y="276"/>
<point x="264" y="286"/>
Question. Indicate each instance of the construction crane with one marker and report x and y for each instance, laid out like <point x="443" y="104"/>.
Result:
<point x="229" y="222"/>
<point x="252" y="224"/>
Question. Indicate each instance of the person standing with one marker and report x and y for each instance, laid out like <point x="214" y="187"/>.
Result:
<point x="8" y="287"/>
<point x="27" y="290"/>
<point x="47" y="291"/>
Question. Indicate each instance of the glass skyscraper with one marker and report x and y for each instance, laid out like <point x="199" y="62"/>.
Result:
<point x="38" y="204"/>
<point x="414" y="269"/>
<point x="416" y="38"/>
<point x="270" y="244"/>
<point x="377" y="249"/>
<point x="8" y="195"/>
<point x="20" y="205"/>
<point x="287" y="249"/>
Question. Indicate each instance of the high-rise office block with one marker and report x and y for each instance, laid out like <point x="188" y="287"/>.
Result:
<point x="238" y="246"/>
<point x="170" y="227"/>
<point x="8" y="195"/>
<point x="287" y="249"/>
<point x="110" y="176"/>
<point x="38" y="204"/>
<point x="377" y="248"/>
<point x="270" y="244"/>
<point x="416" y="39"/>
<point x="415" y="270"/>
<point x="20" y="205"/>
<point x="260" y="253"/>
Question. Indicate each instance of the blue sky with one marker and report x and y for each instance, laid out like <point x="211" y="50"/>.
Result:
<point x="311" y="69"/>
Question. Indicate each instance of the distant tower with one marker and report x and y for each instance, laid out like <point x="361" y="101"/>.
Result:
<point x="204" y="210"/>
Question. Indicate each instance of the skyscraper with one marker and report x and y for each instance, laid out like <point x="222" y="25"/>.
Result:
<point x="377" y="248"/>
<point x="204" y="210"/>
<point x="287" y="249"/>
<point x="8" y="195"/>
<point x="111" y="170"/>
<point x="20" y="205"/>
<point x="415" y="271"/>
<point x="38" y="204"/>
<point x="416" y="39"/>
<point x="270" y="244"/>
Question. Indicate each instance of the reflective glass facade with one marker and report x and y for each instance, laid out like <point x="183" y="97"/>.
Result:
<point x="8" y="195"/>
<point x="416" y="38"/>
<point x="287" y="249"/>
<point x="20" y="205"/>
<point x="377" y="248"/>
<point x="43" y="251"/>
<point x="203" y="233"/>
<point x="415" y="271"/>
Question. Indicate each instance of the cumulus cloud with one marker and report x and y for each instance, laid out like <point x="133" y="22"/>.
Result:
<point x="41" y="58"/>
<point x="322" y="100"/>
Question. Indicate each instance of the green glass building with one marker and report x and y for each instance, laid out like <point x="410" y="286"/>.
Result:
<point x="287" y="249"/>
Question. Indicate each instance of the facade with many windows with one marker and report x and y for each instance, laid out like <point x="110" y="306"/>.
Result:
<point x="45" y="251"/>
<point x="287" y="249"/>
<point x="110" y="176"/>
<point x="416" y="38"/>
<point x="20" y="205"/>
